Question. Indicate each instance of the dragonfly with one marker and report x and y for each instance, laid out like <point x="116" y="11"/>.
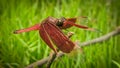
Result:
<point x="50" y="30"/>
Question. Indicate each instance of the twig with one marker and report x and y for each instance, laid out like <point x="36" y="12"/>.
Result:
<point x="97" y="40"/>
<point x="39" y="63"/>
<point x="102" y="38"/>
<point x="50" y="61"/>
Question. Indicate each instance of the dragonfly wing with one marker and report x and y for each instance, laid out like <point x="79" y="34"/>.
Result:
<point x="66" y="25"/>
<point x="79" y="26"/>
<point x="50" y="33"/>
<point x="45" y="36"/>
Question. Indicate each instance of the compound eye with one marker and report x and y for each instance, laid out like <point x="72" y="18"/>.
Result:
<point x="59" y="23"/>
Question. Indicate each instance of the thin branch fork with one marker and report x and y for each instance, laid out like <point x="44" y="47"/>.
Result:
<point x="94" y="41"/>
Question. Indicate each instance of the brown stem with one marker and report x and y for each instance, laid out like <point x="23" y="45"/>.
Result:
<point x="50" y="61"/>
<point x="102" y="38"/>
<point x="94" y="41"/>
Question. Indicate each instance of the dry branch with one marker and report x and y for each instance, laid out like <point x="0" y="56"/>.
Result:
<point x="97" y="40"/>
<point x="50" y="61"/>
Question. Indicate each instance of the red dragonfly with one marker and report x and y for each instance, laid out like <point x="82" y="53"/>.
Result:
<point x="50" y="31"/>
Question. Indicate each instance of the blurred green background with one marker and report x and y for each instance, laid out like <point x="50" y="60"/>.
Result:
<point x="18" y="51"/>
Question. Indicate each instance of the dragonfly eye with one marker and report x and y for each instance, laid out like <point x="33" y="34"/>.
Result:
<point x="60" y="21"/>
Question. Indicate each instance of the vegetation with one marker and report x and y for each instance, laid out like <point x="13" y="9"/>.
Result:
<point x="18" y="51"/>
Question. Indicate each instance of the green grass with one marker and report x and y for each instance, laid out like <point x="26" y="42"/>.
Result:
<point x="18" y="51"/>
